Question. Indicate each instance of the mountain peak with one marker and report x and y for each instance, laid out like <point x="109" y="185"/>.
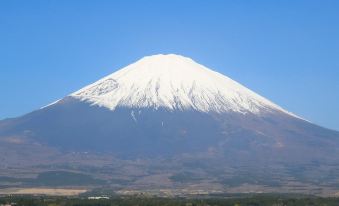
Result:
<point x="162" y="57"/>
<point x="167" y="58"/>
<point x="162" y="64"/>
<point x="173" y="82"/>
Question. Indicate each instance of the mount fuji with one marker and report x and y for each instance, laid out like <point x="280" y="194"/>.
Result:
<point x="171" y="118"/>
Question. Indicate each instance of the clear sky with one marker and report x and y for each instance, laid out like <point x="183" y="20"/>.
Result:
<point x="287" y="51"/>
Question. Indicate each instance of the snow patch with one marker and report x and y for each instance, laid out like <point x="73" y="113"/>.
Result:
<point x="133" y="116"/>
<point x="50" y="104"/>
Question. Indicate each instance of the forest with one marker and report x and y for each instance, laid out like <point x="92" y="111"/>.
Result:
<point x="257" y="200"/>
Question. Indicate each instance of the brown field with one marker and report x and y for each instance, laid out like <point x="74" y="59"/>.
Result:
<point x="42" y="191"/>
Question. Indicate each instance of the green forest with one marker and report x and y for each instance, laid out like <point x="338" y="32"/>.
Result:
<point x="153" y="201"/>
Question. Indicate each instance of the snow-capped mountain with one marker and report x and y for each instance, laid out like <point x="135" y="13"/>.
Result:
<point x="173" y="82"/>
<point x="169" y="106"/>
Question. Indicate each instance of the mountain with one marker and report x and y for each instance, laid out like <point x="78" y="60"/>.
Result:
<point x="166" y="121"/>
<point x="175" y="83"/>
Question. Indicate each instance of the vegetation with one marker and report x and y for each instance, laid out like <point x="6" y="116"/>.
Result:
<point x="61" y="178"/>
<point x="143" y="201"/>
<point x="55" y="178"/>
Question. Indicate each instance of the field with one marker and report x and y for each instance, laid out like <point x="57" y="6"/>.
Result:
<point x="42" y="191"/>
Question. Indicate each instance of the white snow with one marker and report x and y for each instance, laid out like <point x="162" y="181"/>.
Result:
<point x="50" y="104"/>
<point x="133" y="116"/>
<point x="173" y="82"/>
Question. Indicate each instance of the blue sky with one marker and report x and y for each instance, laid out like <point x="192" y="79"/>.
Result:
<point x="287" y="51"/>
